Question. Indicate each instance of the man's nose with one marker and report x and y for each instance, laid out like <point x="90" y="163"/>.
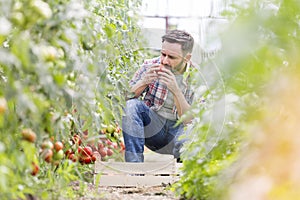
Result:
<point x="165" y="60"/>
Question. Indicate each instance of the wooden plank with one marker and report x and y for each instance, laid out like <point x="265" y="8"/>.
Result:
<point x="156" y="157"/>
<point x="133" y="181"/>
<point x="135" y="168"/>
<point x="156" y="169"/>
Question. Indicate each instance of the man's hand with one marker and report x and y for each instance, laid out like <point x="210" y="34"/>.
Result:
<point x="150" y="75"/>
<point x="146" y="79"/>
<point x="168" y="78"/>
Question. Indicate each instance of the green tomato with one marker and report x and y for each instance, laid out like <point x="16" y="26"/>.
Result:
<point x="59" y="155"/>
<point x="110" y="128"/>
<point x="47" y="145"/>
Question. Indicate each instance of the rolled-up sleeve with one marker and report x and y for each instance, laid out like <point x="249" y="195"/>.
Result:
<point x="138" y="75"/>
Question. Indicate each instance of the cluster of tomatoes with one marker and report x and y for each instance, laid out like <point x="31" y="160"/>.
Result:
<point x="79" y="148"/>
<point x="52" y="153"/>
<point x="109" y="141"/>
<point x="78" y="152"/>
<point x="86" y="150"/>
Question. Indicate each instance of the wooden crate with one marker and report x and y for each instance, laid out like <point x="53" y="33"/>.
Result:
<point x="157" y="169"/>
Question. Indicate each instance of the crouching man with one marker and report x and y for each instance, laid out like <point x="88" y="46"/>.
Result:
<point x="163" y="85"/>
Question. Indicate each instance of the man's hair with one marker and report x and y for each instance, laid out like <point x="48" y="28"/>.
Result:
<point x="183" y="38"/>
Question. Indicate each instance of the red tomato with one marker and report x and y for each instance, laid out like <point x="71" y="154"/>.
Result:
<point x="94" y="158"/>
<point x="85" y="151"/>
<point x="110" y="152"/>
<point x="88" y="160"/>
<point x="28" y="135"/>
<point x="100" y="144"/>
<point x="103" y="152"/>
<point x="35" y="169"/>
<point x="72" y="157"/>
<point x="95" y="155"/>
<point x="58" y="146"/>
<point x="88" y="150"/>
<point x="47" y="155"/>
<point x="68" y="152"/>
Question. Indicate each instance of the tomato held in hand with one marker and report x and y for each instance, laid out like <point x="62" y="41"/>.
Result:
<point x="161" y="68"/>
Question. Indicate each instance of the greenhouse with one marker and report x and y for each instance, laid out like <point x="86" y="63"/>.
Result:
<point x="148" y="99"/>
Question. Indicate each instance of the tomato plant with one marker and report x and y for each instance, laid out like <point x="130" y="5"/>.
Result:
<point x="234" y="145"/>
<point x="63" y="67"/>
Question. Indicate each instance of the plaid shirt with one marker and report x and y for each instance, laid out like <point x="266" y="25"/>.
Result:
<point x="156" y="93"/>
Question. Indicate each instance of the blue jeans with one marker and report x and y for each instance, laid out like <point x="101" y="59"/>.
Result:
<point x="144" y="127"/>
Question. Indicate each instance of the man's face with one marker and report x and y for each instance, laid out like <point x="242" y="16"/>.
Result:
<point x="172" y="57"/>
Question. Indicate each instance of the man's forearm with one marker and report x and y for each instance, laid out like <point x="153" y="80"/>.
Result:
<point x="138" y="88"/>
<point x="182" y="105"/>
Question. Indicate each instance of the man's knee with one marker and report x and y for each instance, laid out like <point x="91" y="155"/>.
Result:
<point x="132" y="105"/>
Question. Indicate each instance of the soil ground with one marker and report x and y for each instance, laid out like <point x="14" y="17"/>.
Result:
<point x="126" y="193"/>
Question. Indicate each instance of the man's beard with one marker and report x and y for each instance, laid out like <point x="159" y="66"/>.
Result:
<point x="175" y="69"/>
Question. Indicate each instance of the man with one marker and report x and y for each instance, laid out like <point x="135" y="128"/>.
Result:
<point x="163" y="84"/>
